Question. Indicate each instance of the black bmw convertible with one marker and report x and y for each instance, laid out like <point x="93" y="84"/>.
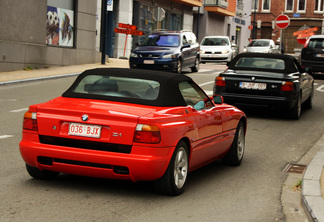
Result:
<point x="261" y="79"/>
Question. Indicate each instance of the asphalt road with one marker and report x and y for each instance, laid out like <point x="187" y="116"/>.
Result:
<point x="215" y="192"/>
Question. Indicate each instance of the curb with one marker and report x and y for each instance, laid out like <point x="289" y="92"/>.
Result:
<point x="312" y="199"/>
<point x="6" y="83"/>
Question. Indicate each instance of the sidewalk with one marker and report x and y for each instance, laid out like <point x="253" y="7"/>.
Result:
<point x="7" y="78"/>
<point x="312" y="193"/>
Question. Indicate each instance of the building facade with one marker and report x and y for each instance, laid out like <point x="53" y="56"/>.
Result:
<point x="303" y="14"/>
<point x="39" y="34"/>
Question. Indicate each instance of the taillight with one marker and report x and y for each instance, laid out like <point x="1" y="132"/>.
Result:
<point x="147" y="134"/>
<point x="30" y="121"/>
<point x="220" y="81"/>
<point x="287" y="86"/>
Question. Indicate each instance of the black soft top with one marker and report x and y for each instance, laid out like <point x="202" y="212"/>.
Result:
<point x="169" y="92"/>
<point x="291" y="64"/>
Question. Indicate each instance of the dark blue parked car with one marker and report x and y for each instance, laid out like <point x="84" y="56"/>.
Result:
<point x="167" y="50"/>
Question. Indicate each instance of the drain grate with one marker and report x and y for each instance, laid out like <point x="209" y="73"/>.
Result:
<point x="295" y="168"/>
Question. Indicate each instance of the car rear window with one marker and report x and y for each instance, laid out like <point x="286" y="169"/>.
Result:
<point x="260" y="63"/>
<point x="161" y="40"/>
<point x="259" y="43"/>
<point x="215" y="41"/>
<point x="118" y="87"/>
<point x="316" y="43"/>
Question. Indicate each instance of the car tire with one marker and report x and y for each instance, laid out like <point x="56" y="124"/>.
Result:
<point x="196" y="67"/>
<point x="308" y="104"/>
<point x="179" y="66"/>
<point x="235" y="155"/>
<point x="296" y="111"/>
<point x="41" y="174"/>
<point x="173" y="181"/>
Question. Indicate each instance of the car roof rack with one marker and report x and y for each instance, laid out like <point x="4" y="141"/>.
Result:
<point x="160" y="30"/>
<point x="186" y="30"/>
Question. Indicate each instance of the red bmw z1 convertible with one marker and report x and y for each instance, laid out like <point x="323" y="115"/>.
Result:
<point x="137" y="125"/>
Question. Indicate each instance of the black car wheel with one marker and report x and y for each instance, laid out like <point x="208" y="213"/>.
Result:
<point x="295" y="112"/>
<point x="234" y="156"/>
<point x="174" y="179"/>
<point x="41" y="174"/>
<point x="179" y="66"/>
<point x="196" y="67"/>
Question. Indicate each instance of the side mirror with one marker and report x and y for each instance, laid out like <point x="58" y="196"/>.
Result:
<point x="308" y="70"/>
<point x="185" y="46"/>
<point x="218" y="99"/>
<point x="137" y="44"/>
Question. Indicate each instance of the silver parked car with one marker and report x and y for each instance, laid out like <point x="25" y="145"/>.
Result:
<point x="262" y="45"/>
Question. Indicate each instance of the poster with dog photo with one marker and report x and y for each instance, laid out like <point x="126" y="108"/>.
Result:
<point x="59" y="27"/>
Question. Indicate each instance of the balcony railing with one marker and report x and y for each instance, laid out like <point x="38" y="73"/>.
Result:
<point x="217" y="3"/>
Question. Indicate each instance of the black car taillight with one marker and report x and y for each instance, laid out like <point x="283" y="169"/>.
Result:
<point x="287" y="86"/>
<point x="220" y="81"/>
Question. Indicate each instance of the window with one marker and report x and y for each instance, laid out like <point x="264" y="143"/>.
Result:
<point x="289" y="5"/>
<point x="255" y="5"/>
<point x="118" y="87"/>
<point x="266" y="5"/>
<point x="319" y="5"/>
<point x="260" y="63"/>
<point x="301" y="7"/>
<point x="60" y="23"/>
<point x="192" y="95"/>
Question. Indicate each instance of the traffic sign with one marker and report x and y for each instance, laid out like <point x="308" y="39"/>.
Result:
<point x="129" y="31"/>
<point x="282" y="21"/>
<point x="127" y="26"/>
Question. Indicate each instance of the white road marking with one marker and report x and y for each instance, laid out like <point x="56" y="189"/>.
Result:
<point x="206" y="83"/>
<point x="8" y="100"/>
<point x="5" y="136"/>
<point x="209" y="92"/>
<point x="19" y="110"/>
<point x="321" y="88"/>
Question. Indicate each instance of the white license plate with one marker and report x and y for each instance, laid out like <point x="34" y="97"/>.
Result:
<point x="320" y="55"/>
<point x="253" y="85"/>
<point x="148" y="61"/>
<point x="77" y="129"/>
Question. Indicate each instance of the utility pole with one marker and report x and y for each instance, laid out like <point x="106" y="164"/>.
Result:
<point x="103" y="35"/>
<point x="254" y="22"/>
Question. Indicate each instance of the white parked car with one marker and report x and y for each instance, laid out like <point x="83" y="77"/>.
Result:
<point x="216" y="49"/>
<point x="262" y="45"/>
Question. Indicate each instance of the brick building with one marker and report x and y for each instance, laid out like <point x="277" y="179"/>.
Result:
<point x="302" y="13"/>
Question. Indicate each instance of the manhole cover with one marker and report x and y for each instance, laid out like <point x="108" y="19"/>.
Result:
<point x="295" y="168"/>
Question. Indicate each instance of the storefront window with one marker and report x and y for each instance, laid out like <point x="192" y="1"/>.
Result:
<point x="60" y="23"/>
<point x="146" y="19"/>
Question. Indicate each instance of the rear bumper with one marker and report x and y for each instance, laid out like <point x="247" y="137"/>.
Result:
<point x="142" y="164"/>
<point x="216" y="58"/>
<point x="317" y="66"/>
<point x="287" y="102"/>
